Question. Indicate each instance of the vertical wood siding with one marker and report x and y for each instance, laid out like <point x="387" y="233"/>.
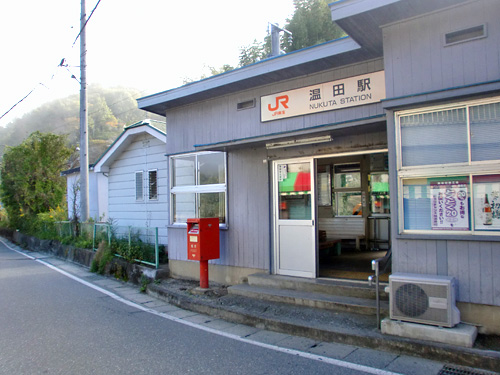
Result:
<point x="416" y="60"/>
<point x="248" y="194"/>
<point x="218" y="120"/>
<point x="143" y="154"/>
<point x="474" y="264"/>
<point x="246" y="241"/>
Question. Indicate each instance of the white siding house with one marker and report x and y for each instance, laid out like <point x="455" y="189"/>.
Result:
<point x="136" y="168"/>
<point x="98" y="193"/>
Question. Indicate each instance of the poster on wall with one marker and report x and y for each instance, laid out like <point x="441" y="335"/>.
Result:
<point x="449" y="206"/>
<point x="487" y="202"/>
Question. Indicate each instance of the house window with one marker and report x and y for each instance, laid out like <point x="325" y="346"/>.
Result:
<point x="448" y="168"/>
<point x="153" y="184"/>
<point x="138" y="186"/>
<point x="198" y="187"/>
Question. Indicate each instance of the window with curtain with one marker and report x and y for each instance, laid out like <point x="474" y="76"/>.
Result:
<point x="449" y="159"/>
<point x="438" y="137"/>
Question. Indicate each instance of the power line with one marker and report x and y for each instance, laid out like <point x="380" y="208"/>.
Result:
<point x="110" y="106"/>
<point x="11" y="108"/>
<point x="33" y="89"/>
<point x="85" y="24"/>
<point x="61" y="64"/>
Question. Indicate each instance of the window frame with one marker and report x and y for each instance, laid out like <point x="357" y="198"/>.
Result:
<point x="196" y="188"/>
<point x="156" y="197"/>
<point x="342" y="190"/>
<point x="469" y="169"/>
<point x="137" y="198"/>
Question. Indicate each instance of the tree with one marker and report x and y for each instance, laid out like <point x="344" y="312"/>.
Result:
<point x="253" y="53"/>
<point x="213" y="72"/>
<point x="30" y="176"/>
<point x="311" y="24"/>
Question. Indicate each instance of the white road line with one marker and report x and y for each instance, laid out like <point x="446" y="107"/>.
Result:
<point x="331" y="361"/>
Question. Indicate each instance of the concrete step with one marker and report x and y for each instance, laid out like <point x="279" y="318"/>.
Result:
<point x="323" y="286"/>
<point x="310" y="299"/>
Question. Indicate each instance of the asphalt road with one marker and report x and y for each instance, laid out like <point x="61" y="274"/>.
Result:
<point x="53" y="324"/>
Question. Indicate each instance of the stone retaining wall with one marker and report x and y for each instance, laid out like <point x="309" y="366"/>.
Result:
<point x="118" y="267"/>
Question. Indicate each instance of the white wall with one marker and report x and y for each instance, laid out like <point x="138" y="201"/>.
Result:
<point x="98" y="195"/>
<point x="144" y="153"/>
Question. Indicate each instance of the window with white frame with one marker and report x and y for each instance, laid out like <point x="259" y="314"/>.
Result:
<point x="153" y="184"/>
<point x="449" y="168"/>
<point x="347" y="189"/>
<point x="139" y="196"/>
<point x="198" y="186"/>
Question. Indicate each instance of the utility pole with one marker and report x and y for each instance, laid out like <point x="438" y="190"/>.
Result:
<point x="275" y="38"/>
<point x="84" y="147"/>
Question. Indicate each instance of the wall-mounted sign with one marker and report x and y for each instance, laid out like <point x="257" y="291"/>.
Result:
<point x="348" y="92"/>
<point x="449" y="205"/>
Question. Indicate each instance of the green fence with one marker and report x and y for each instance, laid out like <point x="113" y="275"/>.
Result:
<point x="139" y="244"/>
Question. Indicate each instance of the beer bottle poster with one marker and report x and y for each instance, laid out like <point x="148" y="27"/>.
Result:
<point x="487" y="198"/>
<point x="449" y="205"/>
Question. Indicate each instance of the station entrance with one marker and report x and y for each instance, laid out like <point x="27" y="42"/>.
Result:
<point x="332" y="215"/>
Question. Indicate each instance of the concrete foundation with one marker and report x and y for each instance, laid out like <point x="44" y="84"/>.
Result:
<point x="461" y="335"/>
<point x="485" y="317"/>
<point x="216" y="273"/>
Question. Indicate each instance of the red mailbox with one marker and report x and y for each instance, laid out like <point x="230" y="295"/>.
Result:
<point x="203" y="244"/>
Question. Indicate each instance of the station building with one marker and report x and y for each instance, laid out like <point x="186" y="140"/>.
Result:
<point x="383" y="142"/>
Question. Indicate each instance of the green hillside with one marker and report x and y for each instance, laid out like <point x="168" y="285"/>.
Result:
<point x="109" y="110"/>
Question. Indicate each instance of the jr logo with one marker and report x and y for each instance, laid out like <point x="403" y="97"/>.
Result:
<point x="283" y="100"/>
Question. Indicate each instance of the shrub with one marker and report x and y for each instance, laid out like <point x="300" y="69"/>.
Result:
<point x="103" y="256"/>
<point x="4" y="219"/>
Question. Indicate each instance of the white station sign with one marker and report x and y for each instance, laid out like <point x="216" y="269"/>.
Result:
<point x="348" y="92"/>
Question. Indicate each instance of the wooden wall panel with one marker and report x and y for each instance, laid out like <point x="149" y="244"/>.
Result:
<point x="248" y="187"/>
<point x="473" y="263"/>
<point x="495" y="274"/>
<point x="417" y="60"/>
<point x="218" y="120"/>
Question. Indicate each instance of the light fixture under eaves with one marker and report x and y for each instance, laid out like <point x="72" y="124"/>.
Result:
<point x="299" y="142"/>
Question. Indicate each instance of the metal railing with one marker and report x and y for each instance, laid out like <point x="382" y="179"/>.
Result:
<point x="141" y="241"/>
<point x="139" y="244"/>
<point x="376" y="278"/>
<point x="371" y="279"/>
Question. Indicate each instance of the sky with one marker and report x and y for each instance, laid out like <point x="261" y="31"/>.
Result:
<point x="150" y="45"/>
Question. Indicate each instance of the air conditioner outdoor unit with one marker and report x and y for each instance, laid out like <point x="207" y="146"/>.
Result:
<point x="426" y="299"/>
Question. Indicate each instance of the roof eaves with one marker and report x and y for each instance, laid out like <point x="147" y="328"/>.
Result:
<point x="347" y="8"/>
<point x="74" y="170"/>
<point x="110" y="147"/>
<point x="122" y="138"/>
<point x="153" y="124"/>
<point x="263" y="67"/>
